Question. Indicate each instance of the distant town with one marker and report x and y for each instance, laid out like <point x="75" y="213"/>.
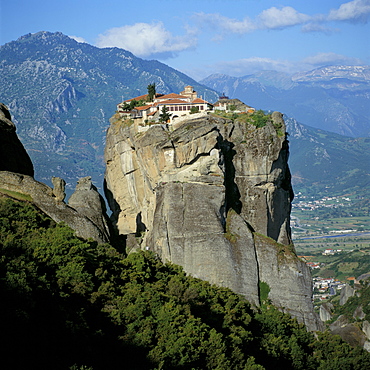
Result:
<point x="325" y="287"/>
<point x="304" y="202"/>
<point x="319" y="218"/>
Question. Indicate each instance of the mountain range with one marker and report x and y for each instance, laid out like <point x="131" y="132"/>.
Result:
<point x="333" y="98"/>
<point x="326" y="162"/>
<point x="61" y="94"/>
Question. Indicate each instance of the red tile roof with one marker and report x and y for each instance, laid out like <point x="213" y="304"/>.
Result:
<point x="199" y="100"/>
<point x="173" y="96"/>
<point x="143" y="107"/>
<point x="143" y="97"/>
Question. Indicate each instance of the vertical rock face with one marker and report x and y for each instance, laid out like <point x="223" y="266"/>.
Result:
<point x="213" y="196"/>
<point x="345" y="294"/>
<point x="262" y="177"/>
<point x="87" y="201"/>
<point x="13" y="156"/>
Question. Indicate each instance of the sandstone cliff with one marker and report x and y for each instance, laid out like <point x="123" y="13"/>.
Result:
<point x="13" y="156"/>
<point x="44" y="198"/>
<point x="214" y="196"/>
<point x="86" y="213"/>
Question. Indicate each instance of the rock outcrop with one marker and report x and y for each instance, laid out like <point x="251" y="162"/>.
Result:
<point x="213" y="196"/>
<point x="59" y="188"/>
<point x="86" y="213"/>
<point x="351" y="334"/>
<point x="345" y="294"/>
<point x="13" y="156"/>
<point x="326" y="312"/>
<point x="44" y="198"/>
<point x="87" y="201"/>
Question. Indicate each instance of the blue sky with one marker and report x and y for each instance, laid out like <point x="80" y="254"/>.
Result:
<point x="201" y="37"/>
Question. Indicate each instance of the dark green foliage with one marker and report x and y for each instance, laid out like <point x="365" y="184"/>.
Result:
<point x="264" y="291"/>
<point x="72" y="304"/>
<point x="151" y="92"/>
<point x="133" y="103"/>
<point x="164" y="116"/>
<point x="259" y="119"/>
<point x="331" y="353"/>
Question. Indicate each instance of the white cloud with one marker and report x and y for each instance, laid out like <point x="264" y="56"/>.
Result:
<point x="242" y="67"/>
<point x="226" y="24"/>
<point x="287" y="16"/>
<point x="322" y="59"/>
<point x="316" y="26"/>
<point x="145" y="40"/>
<point x="353" y="11"/>
<point x="281" y="18"/>
<point x="78" y="39"/>
<point x="272" y="18"/>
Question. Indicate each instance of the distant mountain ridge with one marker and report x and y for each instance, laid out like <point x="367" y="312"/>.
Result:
<point x="360" y="74"/>
<point x="61" y="94"/>
<point x="333" y="98"/>
<point x="322" y="161"/>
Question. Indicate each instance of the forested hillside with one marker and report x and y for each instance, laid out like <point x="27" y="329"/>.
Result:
<point x="325" y="162"/>
<point x="72" y="304"/>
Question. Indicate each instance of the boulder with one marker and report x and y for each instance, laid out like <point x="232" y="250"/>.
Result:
<point x="351" y="334"/>
<point x="87" y="201"/>
<point x="341" y="322"/>
<point x="326" y="311"/>
<point x="59" y="188"/>
<point x="346" y="292"/>
<point x="359" y="313"/>
<point x="87" y="215"/>
<point x="366" y="329"/>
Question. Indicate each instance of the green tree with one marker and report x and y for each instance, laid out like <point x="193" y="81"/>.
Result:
<point x="72" y="304"/>
<point x="151" y="92"/>
<point x="164" y="116"/>
<point x="194" y="110"/>
<point x="126" y="107"/>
